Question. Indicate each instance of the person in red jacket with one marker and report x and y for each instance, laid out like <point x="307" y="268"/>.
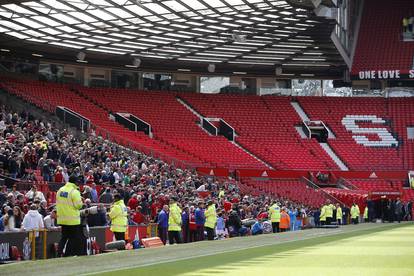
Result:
<point x="138" y="217"/>
<point x="284" y="220"/>
<point x="133" y="202"/>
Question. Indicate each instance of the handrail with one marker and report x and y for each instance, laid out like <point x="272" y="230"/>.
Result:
<point x="347" y="184"/>
<point x="316" y="187"/>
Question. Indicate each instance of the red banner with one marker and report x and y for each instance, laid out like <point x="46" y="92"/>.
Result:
<point x="219" y="172"/>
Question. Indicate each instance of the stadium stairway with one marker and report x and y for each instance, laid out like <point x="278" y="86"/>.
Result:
<point x="325" y="146"/>
<point x="234" y="142"/>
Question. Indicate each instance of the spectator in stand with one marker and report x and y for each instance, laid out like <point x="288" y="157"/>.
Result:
<point x="94" y="193"/>
<point x="138" y="217"/>
<point x="133" y="202"/>
<point x="163" y="224"/>
<point x="43" y="208"/>
<point x="9" y="221"/>
<point x="33" y="220"/>
<point x="59" y="175"/>
<point x="34" y="193"/>
<point x="106" y="197"/>
<point x="3" y="195"/>
<point x="50" y="221"/>
<point x="200" y="219"/>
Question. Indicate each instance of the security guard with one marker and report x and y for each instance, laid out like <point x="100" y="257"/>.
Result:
<point x="322" y="216"/>
<point x="274" y="214"/>
<point x="338" y="214"/>
<point x="118" y="216"/>
<point x="329" y="212"/>
<point x="174" y="222"/>
<point x="68" y="204"/>
<point x="366" y="214"/>
<point x="211" y="219"/>
<point x="355" y="213"/>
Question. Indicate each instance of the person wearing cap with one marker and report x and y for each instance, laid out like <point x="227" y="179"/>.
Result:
<point x="211" y="219"/>
<point x="68" y="205"/>
<point x="174" y="222"/>
<point x="119" y="217"/>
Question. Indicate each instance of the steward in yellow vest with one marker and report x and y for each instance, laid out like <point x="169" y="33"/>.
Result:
<point x="274" y="215"/>
<point x="355" y="213"/>
<point x="174" y="222"/>
<point x="322" y="216"/>
<point x="338" y="214"/>
<point x="119" y="218"/>
<point x="211" y="219"/>
<point x="68" y="204"/>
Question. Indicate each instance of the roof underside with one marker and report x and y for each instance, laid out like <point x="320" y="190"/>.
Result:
<point x="252" y="35"/>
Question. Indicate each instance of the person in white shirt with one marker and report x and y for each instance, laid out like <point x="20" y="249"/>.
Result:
<point x="33" y="220"/>
<point x="50" y="221"/>
<point x="34" y="193"/>
<point x="202" y="188"/>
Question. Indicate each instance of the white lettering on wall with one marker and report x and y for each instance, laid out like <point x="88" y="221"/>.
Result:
<point x="386" y="138"/>
<point x="382" y="74"/>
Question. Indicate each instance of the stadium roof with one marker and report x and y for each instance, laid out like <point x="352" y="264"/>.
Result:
<point x="255" y="36"/>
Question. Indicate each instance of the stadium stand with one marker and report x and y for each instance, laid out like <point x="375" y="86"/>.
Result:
<point x="377" y="34"/>
<point x="332" y="111"/>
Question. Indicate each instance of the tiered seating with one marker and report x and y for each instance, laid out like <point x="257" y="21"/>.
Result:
<point x="356" y="156"/>
<point x="49" y="95"/>
<point x="381" y="28"/>
<point x="265" y="126"/>
<point x="174" y="125"/>
<point x="294" y="190"/>
<point x="401" y="111"/>
<point x="376" y="185"/>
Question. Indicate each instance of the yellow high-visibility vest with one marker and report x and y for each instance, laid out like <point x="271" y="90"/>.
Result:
<point x="68" y="204"/>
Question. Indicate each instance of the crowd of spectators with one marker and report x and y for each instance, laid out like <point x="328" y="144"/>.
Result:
<point x="103" y="169"/>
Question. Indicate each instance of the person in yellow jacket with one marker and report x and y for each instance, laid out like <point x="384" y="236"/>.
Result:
<point x="274" y="215"/>
<point x="211" y="219"/>
<point x="119" y="218"/>
<point x="355" y="213"/>
<point x="174" y="222"/>
<point x="322" y="216"/>
<point x="68" y="205"/>
<point x="338" y="214"/>
<point x="366" y="214"/>
<point x="329" y="212"/>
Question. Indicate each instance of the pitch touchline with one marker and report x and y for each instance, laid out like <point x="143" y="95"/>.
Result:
<point x="311" y="236"/>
